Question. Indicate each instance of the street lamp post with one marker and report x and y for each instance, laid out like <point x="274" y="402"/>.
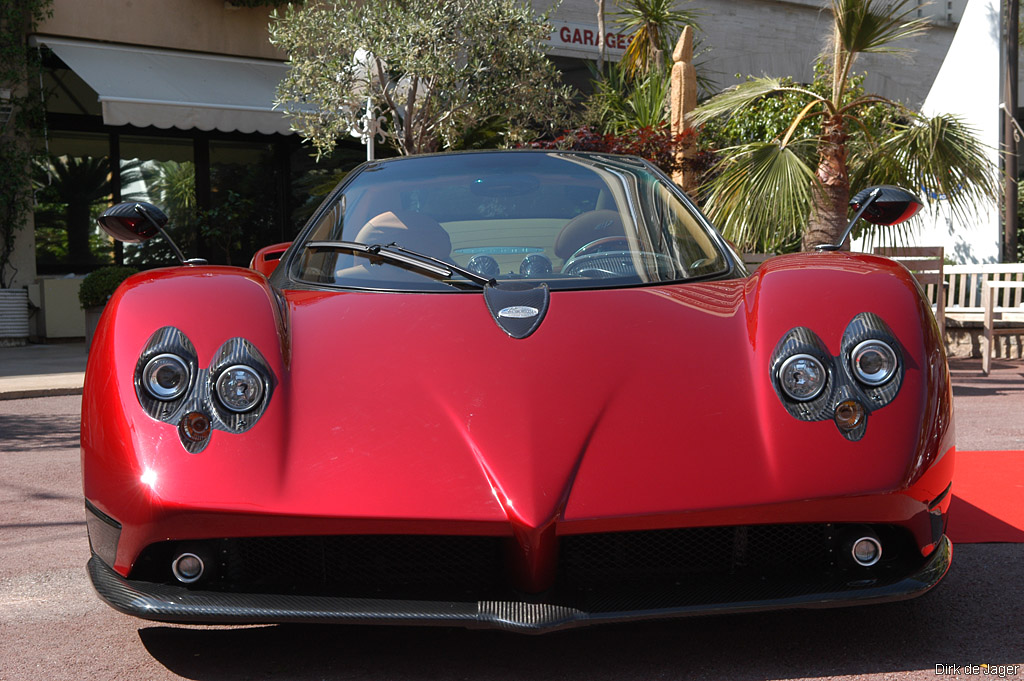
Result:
<point x="370" y="126"/>
<point x="1010" y="128"/>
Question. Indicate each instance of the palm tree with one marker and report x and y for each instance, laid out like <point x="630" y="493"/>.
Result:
<point x="655" y="25"/>
<point x="772" y="191"/>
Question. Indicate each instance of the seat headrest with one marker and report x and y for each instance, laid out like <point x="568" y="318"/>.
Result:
<point x="415" y="231"/>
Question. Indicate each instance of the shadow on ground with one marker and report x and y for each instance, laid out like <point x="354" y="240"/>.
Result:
<point x="57" y="431"/>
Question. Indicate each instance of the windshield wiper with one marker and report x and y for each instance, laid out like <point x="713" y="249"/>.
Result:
<point x="414" y="259"/>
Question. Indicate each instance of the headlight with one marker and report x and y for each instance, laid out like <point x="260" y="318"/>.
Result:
<point x="165" y="377"/>
<point x="873" y="362"/>
<point x="802" y="377"/>
<point x="239" y="388"/>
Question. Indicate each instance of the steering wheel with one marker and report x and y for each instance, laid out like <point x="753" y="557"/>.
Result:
<point x="576" y="264"/>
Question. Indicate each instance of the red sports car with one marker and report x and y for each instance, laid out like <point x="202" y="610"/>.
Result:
<point x="522" y="390"/>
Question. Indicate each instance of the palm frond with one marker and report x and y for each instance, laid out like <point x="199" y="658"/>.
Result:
<point x="762" y="195"/>
<point x="637" y="57"/>
<point x="736" y="98"/>
<point x="874" y="25"/>
<point x="938" y="156"/>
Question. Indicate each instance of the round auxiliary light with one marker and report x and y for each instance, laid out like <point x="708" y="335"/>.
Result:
<point x="867" y="551"/>
<point x="239" y="388"/>
<point x="874" y="362"/>
<point x="165" y="377"/>
<point x="850" y="414"/>
<point x="802" y="377"/>
<point x="187" y="568"/>
<point x="196" y="426"/>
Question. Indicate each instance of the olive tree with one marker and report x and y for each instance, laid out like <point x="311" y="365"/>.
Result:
<point x="432" y="68"/>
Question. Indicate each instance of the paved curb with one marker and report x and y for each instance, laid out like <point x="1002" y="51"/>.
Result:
<point x="42" y="370"/>
<point x="38" y="392"/>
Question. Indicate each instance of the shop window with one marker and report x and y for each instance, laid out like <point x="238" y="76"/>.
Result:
<point x="246" y="206"/>
<point x="161" y="171"/>
<point x="73" y="185"/>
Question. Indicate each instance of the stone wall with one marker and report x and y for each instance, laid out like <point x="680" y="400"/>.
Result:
<point x="964" y="341"/>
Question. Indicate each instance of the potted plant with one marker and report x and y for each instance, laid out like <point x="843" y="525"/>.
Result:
<point x="96" y="289"/>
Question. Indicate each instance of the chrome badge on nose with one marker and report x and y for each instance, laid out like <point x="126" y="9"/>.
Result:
<point x="518" y="308"/>
<point x="518" y="312"/>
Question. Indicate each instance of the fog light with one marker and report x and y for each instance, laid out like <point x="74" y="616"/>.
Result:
<point x="867" y="551"/>
<point x="849" y="415"/>
<point x="187" y="568"/>
<point x="195" y="426"/>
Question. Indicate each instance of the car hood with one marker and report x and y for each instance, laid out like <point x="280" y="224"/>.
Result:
<point x="624" y="402"/>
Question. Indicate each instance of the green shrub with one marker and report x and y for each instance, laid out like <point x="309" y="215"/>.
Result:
<point x="98" y="286"/>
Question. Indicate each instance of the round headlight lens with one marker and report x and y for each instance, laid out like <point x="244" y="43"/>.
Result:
<point x="802" y="377"/>
<point x="239" y="388"/>
<point x="874" y="362"/>
<point x="165" y="377"/>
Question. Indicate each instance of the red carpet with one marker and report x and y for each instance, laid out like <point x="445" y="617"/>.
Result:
<point x="988" y="498"/>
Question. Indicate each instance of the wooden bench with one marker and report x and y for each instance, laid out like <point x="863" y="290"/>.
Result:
<point x="1012" y="292"/>
<point x="754" y="260"/>
<point x="926" y="263"/>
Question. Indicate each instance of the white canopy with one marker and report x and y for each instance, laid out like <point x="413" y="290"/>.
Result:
<point x="168" y="88"/>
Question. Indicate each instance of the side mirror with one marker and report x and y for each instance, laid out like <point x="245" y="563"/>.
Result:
<point x="880" y="205"/>
<point x="891" y="205"/>
<point x="128" y="221"/>
<point x="134" y="222"/>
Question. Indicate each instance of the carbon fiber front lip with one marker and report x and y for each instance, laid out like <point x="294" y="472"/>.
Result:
<point x="165" y="603"/>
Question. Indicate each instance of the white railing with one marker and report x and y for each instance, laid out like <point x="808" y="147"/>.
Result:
<point x="964" y="299"/>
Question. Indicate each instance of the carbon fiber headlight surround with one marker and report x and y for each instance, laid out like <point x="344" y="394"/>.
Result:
<point x="803" y="341"/>
<point x="842" y="384"/>
<point x="166" y="341"/>
<point x="864" y="327"/>
<point x="201" y="397"/>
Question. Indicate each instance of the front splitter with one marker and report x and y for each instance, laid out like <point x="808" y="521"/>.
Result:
<point x="168" y="603"/>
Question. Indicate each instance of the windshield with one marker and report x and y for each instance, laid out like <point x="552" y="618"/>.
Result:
<point x="569" y="220"/>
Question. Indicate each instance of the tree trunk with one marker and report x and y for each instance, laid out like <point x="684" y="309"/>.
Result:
<point x="831" y="199"/>
<point x="600" y="38"/>
<point x="658" y="59"/>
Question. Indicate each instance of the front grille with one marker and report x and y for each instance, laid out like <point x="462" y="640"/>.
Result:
<point x="754" y="551"/>
<point x="402" y="564"/>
